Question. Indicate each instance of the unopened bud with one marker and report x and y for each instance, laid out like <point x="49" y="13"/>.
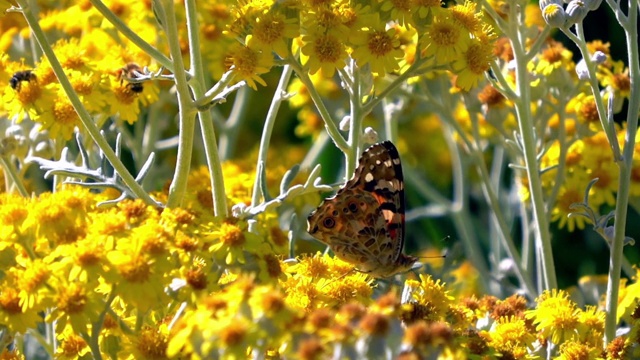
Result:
<point x="554" y="15"/>
<point x="599" y="57"/>
<point x="370" y="136"/>
<point x="576" y="12"/>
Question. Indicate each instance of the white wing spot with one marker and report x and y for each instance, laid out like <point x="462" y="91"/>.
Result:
<point x="368" y="177"/>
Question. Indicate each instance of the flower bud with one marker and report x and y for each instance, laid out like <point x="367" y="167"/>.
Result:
<point x="370" y="135"/>
<point x="554" y="15"/>
<point x="576" y="12"/>
<point x="581" y="70"/>
<point x="544" y="3"/>
<point x="599" y="57"/>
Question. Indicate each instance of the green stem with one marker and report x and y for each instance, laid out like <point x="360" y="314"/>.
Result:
<point x="206" y="121"/>
<point x="83" y="114"/>
<point x="186" y="111"/>
<point x="11" y="173"/>
<point x="477" y="159"/>
<point x="231" y="128"/>
<point x="269" y="122"/>
<point x="593" y="82"/>
<point x="329" y="122"/>
<point x="625" y="166"/>
<point x="525" y="123"/>
<point x="357" y="118"/>
<point x="396" y="83"/>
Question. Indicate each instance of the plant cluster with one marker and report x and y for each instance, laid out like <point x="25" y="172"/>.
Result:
<point x="144" y="217"/>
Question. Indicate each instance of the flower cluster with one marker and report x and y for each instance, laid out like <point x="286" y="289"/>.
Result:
<point x="217" y="264"/>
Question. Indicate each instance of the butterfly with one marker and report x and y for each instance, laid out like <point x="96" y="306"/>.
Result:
<point x="364" y="222"/>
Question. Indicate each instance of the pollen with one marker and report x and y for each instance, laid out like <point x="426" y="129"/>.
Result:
<point x="246" y="61"/>
<point x="622" y="82"/>
<point x="465" y="15"/>
<point x="72" y="346"/>
<point x="124" y="94"/>
<point x="83" y="87"/>
<point x="327" y="48"/>
<point x="34" y="276"/>
<point x="273" y="265"/>
<point x="137" y="270"/>
<point x="232" y="235"/>
<point x="589" y="112"/>
<point x="234" y="333"/>
<point x="478" y="58"/>
<point x="273" y="302"/>
<point x="29" y="93"/>
<point x="64" y="113"/>
<point x="197" y="279"/>
<point x="552" y="54"/>
<point x="428" y="3"/>
<point x="375" y="324"/>
<point x="72" y="299"/>
<point x="380" y="43"/>
<point x="401" y="5"/>
<point x="152" y="344"/>
<point x="491" y="97"/>
<point x="10" y="301"/>
<point x="445" y="33"/>
<point x="89" y="255"/>
<point x="13" y="214"/>
<point x="269" y="29"/>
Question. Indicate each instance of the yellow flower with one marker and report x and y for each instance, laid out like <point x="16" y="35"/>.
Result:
<point x="628" y="298"/>
<point x="424" y="8"/>
<point x="572" y="350"/>
<point x="75" y="303"/>
<point x="511" y="335"/>
<point x="151" y="342"/>
<point x="136" y="279"/>
<point x="323" y="51"/>
<point x="248" y="64"/>
<point x="444" y="39"/>
<point x="377" y="47"/>
<point x="554" y="57"/>
<point x="465" y="15"/>
<point x="616" y="77"/>
<point x="556" y="316"/>
<point x="400" y="10"/>
<point x="474" y="62"/>
<point x="319" y="281"/>
<point x="428" y="300"/>
<point x="16" y="317"/>
<point x="231" y="242"/>
<point x="272" y="31"/>
<point x="71" y="345"/>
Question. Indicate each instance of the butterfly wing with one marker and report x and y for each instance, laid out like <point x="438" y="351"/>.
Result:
<point x="364" y="222"/>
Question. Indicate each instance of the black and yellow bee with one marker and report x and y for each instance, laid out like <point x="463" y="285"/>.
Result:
<point x="20" y="76"/>
<point x="129" y="72"/>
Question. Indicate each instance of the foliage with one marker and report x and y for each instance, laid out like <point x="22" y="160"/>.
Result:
<point x="154" y="240"/>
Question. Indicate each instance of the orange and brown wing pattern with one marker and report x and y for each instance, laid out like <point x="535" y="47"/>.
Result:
<point x="364" y="222"/>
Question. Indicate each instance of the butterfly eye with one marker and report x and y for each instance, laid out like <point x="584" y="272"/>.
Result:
<point x="329" y="223"/>
<point x="353" y="206"/>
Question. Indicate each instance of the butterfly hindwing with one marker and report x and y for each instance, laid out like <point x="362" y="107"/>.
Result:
<point x="364" y="222"/>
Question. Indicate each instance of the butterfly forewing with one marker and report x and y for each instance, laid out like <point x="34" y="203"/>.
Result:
<point x="364" y="222"/>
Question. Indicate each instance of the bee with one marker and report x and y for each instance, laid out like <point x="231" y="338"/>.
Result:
<point x="19" y="77"/>
<point x="129" y="72"/>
